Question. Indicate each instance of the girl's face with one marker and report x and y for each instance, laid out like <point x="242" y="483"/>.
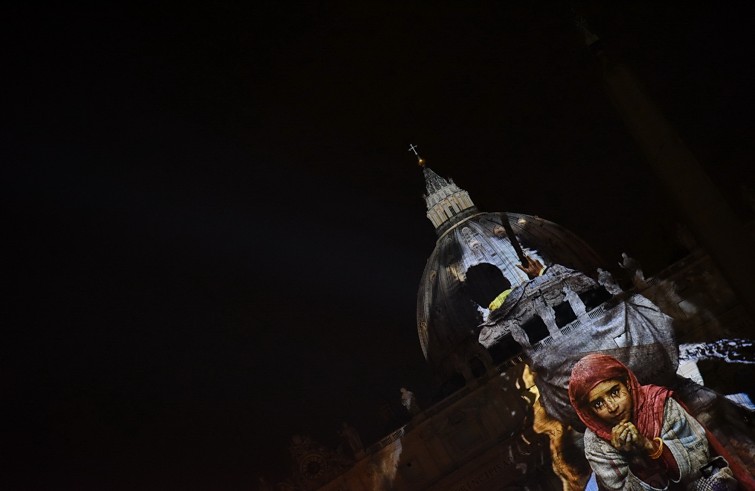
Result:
<point x="611" y="401"/>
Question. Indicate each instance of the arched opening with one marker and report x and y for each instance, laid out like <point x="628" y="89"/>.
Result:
<point x="484" y="282"/>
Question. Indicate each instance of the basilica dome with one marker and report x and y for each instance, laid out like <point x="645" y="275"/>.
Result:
<point x="473" y="262"/>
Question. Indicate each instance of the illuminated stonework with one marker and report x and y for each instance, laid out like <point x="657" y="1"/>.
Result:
<point x="448" y="314"/>
<point x="445" y="200"/>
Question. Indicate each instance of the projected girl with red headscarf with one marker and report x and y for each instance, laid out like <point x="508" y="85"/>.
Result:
<point x="638" y="437"/>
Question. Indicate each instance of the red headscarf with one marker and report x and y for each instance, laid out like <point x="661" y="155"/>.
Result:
<point x="648" y="401"/>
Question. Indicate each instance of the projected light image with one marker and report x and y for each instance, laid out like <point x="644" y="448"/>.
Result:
<point x="475" y="283"/>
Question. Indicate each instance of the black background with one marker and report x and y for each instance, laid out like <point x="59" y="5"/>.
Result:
<point x="216" y="232"/>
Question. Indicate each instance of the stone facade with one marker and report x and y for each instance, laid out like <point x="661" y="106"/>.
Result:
<point x="482" y="438"/>
<point x="477" y="439"/>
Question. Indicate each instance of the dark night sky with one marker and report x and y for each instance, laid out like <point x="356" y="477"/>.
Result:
<point x="216" y="232"/>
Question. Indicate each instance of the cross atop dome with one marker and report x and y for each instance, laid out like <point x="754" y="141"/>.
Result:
<point x="420" y="160"/>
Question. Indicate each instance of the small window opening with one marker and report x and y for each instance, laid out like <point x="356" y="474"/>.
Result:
<point x="564" y="314"/>
<point x="535" y="329"/>
<point x="593" y="298"/>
